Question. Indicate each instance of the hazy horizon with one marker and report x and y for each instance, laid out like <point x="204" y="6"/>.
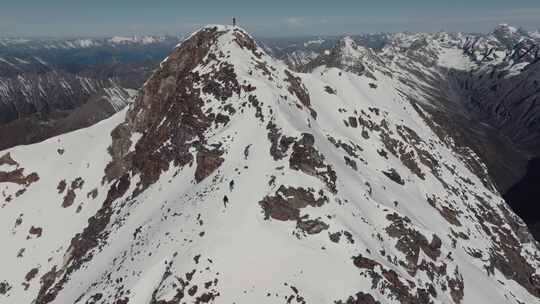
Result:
<point x="99" y="19"/>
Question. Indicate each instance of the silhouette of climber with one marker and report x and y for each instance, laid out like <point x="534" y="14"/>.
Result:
<point x="225" y="201"/>
<point x="234" y="21"/>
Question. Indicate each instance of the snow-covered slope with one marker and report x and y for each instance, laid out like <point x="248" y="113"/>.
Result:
<point x="232" y="179"/>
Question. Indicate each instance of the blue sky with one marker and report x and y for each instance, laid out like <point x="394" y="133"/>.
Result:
<point x="270" y="18"/>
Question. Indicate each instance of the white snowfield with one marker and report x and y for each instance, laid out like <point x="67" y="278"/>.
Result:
<point x="403" y="218"/>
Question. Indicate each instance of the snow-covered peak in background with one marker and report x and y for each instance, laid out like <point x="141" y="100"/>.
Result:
<point x="506" y="29"/>
<point x="136" y="39"/>
<point x="346" y="55"/>
<point x="350" y="50"/>
<point x="318" y="41"/>
<point x="232" y="179"/>
<point x="508" y="35"/>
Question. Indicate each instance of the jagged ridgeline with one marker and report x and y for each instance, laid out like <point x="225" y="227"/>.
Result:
<point x="233" y="179"/>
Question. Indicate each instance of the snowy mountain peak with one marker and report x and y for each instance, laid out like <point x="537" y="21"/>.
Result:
<point x="215" y="64"/>
<point x="134" y="39"/>
<point x="509" y="35"/>
<point x="350" y="51"/>
<point x="349" y="42"/>
<point x="505" y="28"/>
<point x="347" y="55"/>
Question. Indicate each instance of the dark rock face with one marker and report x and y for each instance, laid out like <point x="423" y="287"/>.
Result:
<point x="307" y="159"/>
<point x="207" y="162"/>
<point x="15" y="176"/>
<point x="279" y="143"/>
<point x="410" y="242"/>
<point x="503" y="257"/>
<point x="507" y="104"/>
<point x="360" y="298"/>
<point x="525" y="195"/>
<point x="5" y="287"/>
<point x="405" y="291"/>
<point x="35" y="231"/>
<point x="394" y="176"/>
<point x="287" y="203"/>
<point x="510" y="104"/>
<point x="169" y="96"/>
<point x="297" y="88"/>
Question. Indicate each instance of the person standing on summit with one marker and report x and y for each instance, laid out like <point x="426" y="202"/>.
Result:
<point x="234" y="21"/>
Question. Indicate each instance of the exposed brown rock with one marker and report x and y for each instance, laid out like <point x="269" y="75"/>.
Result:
<point x="17" y="177"/>
<point x="360" y="298"/>
<point x="390" y="283"/>
<point x="69" y="198"/>
<point x="35" y="231"/>
<point x="7" y="160"/>
<point x="207" y="162"/>
<point x="449" y="214"/>
<point x="311" y="226"/>
<point x="307" y="159"/>
<point x="351" y="149"/>
<point x="77" y="183"/>
<point x="61" y="186"/>
<point x="279" y="143"/>
<point x="297" y="88"/>
<point x="410" y="241"/>
<point x="244" y="41"/>
<point x="288" y="201"/>
<point x="222" y="84"/>
<point x="400" y="150"/>
<point x="170" y="110"/>
<point x="456" y="287"/>
<point x="31" y="274"/>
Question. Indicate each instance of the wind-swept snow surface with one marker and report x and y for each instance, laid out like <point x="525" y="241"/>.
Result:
<point x="232" y="179"/>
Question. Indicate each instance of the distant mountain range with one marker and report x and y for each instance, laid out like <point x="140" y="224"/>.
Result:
<point x="49" y="87"/>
